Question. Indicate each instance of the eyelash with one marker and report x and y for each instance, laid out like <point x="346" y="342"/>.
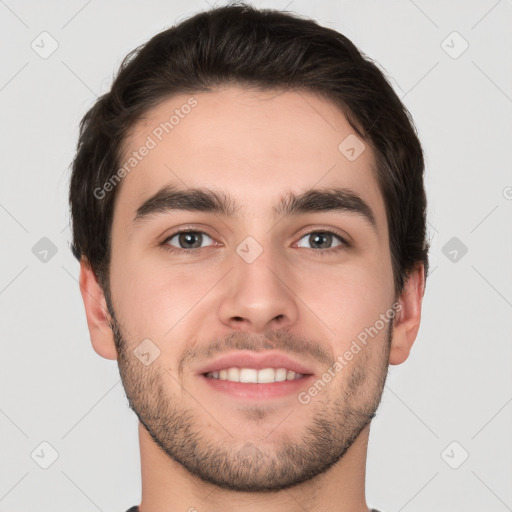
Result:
<point x="321" y="252"/>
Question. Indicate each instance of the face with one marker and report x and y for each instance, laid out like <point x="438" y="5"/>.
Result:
<point x="260" y="248"/>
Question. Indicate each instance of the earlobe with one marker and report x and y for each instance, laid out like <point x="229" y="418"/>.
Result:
<point x="98" y="318"/>
<point x="408" y="317"/>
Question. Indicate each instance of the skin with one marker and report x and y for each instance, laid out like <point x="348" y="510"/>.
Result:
<point x="201" y="448"/>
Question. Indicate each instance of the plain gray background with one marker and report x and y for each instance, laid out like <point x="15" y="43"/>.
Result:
<point x="452" y="399"/>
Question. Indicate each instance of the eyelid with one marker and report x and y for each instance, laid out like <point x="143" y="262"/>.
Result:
<point x="344" y="237"/>
<point x="187" y="229"/>
<point x="168" y="239"/>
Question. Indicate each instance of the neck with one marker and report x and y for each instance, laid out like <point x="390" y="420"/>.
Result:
<point x="168" y="487"/>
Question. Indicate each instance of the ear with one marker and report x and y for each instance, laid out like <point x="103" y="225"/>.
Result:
<point x="408" y="316"/>
<point x="98" y="318"/>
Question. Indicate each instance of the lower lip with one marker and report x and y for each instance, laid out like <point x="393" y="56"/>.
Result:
<point x="251" y="390"/>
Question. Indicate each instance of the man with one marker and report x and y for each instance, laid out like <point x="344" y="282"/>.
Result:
<point x="249" y="211"/>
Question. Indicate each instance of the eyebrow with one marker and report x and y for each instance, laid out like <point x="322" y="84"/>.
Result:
<point x="172" y="198"/>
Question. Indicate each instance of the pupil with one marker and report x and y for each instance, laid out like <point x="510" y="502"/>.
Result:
<point x="321" y="240"/>
<point x="187" y="239"/>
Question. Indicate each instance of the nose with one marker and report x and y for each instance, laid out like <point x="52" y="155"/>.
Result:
<point x="259" y="296"/>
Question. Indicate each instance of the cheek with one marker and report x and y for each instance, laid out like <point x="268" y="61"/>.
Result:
<point x="156" y="300"/>
<point x="346" y="299"/>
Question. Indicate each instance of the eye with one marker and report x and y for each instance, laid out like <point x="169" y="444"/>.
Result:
<point x="322" y="240"/>
<point x="188" y="240"/>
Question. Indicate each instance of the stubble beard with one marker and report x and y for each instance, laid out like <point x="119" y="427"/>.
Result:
<point x="280" y="461"/>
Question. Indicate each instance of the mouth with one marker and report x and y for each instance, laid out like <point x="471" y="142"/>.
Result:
<point x="254" y="376"/>
<point x="261" y="376"/>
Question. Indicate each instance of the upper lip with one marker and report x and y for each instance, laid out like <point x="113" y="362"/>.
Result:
<point x="258" y="361"/>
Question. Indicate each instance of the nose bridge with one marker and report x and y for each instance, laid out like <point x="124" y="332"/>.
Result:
<point x="257" y="295"/>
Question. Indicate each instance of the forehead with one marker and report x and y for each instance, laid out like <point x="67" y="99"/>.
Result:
<point x="254" y="146"/>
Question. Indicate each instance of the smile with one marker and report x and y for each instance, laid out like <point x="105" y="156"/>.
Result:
<point x="252" y="375"/>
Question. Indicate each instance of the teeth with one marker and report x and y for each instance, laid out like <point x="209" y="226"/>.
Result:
<point x="264" y="376"/>
<point x="234" y="374"/>
<point x="248" y="375"/>
<point x="281" y="374"/>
